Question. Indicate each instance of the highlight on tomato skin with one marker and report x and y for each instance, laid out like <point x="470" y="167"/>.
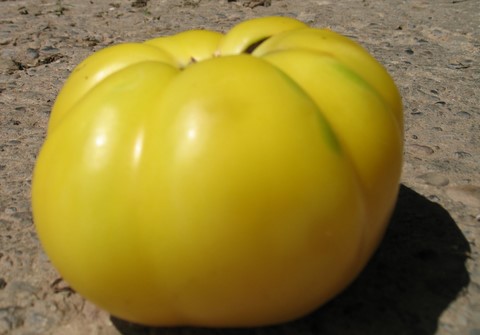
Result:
<point x="219" y="180"/>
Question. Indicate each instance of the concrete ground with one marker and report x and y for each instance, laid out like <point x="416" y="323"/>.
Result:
<point x="424" y="279"/>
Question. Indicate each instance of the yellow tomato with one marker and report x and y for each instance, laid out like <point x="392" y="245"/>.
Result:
<point x="219" y="180"/>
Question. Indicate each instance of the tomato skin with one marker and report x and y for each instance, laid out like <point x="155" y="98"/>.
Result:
<point x="189" y="183"/>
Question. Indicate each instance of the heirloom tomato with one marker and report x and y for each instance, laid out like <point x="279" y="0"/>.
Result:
<point x="220" y="180"/>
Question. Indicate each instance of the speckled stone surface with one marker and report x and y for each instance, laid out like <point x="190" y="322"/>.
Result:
<point x="424" y="279"/>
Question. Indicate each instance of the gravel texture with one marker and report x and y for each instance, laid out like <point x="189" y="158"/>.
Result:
<point x="424" y="279"/>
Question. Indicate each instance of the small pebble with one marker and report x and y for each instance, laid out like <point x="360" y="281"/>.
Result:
<point x="32" y="53"/>
<point x="7" y="66"/>
<point x="434" y="179"/>
<point x="5" y="40"/>
<point x="50" y="50"/>
<point x="466" y="194"/>
<point x="462" y="154"/>
<point x="421" y="149"/>
<point x="465" y="115"/>
<point x="10" y="210"/>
